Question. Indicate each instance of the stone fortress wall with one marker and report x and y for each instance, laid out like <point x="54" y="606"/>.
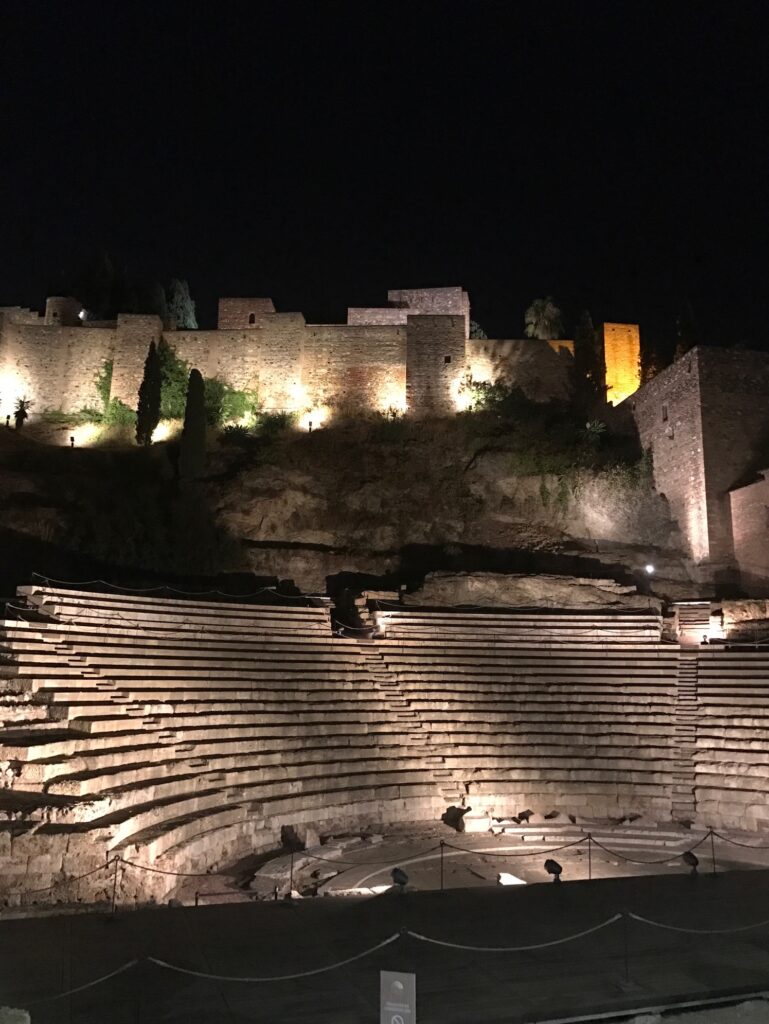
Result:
<point x="415" y="353"/>
<point x="706" y="420"/>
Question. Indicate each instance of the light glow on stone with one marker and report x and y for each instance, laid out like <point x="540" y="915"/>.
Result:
<point x="313" y="419"/>
<point x="391" y="396"/>
<point x="85" y="434"/>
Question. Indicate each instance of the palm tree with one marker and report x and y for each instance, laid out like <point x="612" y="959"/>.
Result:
<point x="543" y="319"/>
<point x="21" y="411"/>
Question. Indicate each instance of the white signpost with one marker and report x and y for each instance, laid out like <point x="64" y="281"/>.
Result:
<point x="397" y="997"/>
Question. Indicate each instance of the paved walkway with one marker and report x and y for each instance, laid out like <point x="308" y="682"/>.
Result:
<point x="45" y="956"/>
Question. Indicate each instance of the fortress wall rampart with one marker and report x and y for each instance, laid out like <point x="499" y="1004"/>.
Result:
<point x="133" y="335"/>
<point x="532" y="365"/>
<point x="452" y="301"/>
<point x="435" y="364"/>
<point x="622" y="353"/>
<point x="667" y="412"/>
<point x="355" y="365"/>
<point x="239" y="313"/>
<point x="734" y="399"/>
<point x="372" y="315"/>
<point x="750" y="521"/>
<point x="53" y="366"/>
<point x="18" y="315"/>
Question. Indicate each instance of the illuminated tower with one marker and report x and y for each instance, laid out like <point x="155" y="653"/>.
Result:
<point x="622" y="351"/>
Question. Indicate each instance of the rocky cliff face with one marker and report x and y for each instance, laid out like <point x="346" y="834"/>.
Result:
<point x="351" y="500"/>
<point x="370" y="498"/>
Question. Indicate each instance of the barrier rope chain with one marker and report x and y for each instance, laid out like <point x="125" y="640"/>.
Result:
<point x="404" y="933"/>
<point x="443" y="845"/>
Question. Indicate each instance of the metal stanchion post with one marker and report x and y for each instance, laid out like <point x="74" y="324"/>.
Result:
<point x="589" y="857"/>
<point x="713" y="850"/>
<point x="116" y="863"/>
<point x="442" y="846"/>
<point x="291" y="877"/>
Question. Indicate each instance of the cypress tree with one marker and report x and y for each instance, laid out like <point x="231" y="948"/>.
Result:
<point x="148" y="411"/>
<point x="589" y="366"/>
<point x="192" y="453"/>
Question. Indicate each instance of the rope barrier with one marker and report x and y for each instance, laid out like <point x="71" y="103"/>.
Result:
<point x="68" y="879"/>
<point x="523" y="853"/>
<point x="89" y="984"/>
<point x="163" y="871"/>
<point x="515" y="949"/>
<point x="69" y="584"/>
<point x="367" y="863"/>
<point x="736" y="842"/>
<point x="278" y="977"/>
<point x="699" y="931"/>
<point x="636" y="860"/>
<point x="418" y="936"/>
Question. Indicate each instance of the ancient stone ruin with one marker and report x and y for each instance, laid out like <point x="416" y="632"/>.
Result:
<point x="181" y="734"/>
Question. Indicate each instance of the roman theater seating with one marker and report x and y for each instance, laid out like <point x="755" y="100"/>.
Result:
<point x="172" y="721"/>
<point x="184" y="733"/>
<point x="732" y="752"/>
<point x="573" y="710"/>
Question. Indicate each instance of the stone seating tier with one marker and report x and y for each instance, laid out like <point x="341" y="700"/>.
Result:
<point x="173" y="725"/>
<point x="732" y="752"/>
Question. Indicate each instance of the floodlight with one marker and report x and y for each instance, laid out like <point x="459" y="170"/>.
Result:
<point x="553" y="868"/>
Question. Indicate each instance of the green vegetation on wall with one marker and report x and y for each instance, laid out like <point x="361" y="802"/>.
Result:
<point x="223" y="403"/>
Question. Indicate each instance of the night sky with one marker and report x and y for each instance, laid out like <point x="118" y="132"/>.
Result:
<point x="614" y="154"/>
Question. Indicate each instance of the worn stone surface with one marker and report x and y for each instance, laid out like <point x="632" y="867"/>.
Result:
<point x="519" y="590"/>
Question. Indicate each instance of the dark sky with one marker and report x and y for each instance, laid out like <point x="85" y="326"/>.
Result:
<point x="612" y="154"/>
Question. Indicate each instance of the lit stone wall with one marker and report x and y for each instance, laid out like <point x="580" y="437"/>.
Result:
<point x="435" y="364"/>
<point x="54" y="367"/>
<point x="707" y="420"/>
<point x="750" y="521"/>
<point x="667" y="413"/>
<point x="622" y="351"/>
<point x="415" y="301"/>
<point x="353" y="366"/>
<point x="734" y="398"/>
<point x="235" y="314"/>
<point x="540" y="370"/>
<point x="132" y="338"/>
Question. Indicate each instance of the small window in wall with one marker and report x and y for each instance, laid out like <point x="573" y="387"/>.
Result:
<point x="664" y="414"/>
<point x="447" y="359"/>
<point x="252" y="318"/>
<point x="688" y="366"/>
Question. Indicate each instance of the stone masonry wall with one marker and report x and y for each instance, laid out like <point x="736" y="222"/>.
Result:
<point x="532" y="365"/>
<point x="734" y="398"/>
<point x="750" y="525"/>
<point x="622" y="353"/>
<point x="132" y="338"/>
<point x="235" y="314"/>
<point x="356" y="366"/>
<point x="667" y="413"/>
<point x="53" y="366"/>
<point x="435" y="364"/>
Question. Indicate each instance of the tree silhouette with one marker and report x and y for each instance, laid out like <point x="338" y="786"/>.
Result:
<point x="148" y="410"/>
<point x="543" y="319"/>
<point x="192" y="453"/>
<point x="181" y="306"/>
<point x="589" y="363"/>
